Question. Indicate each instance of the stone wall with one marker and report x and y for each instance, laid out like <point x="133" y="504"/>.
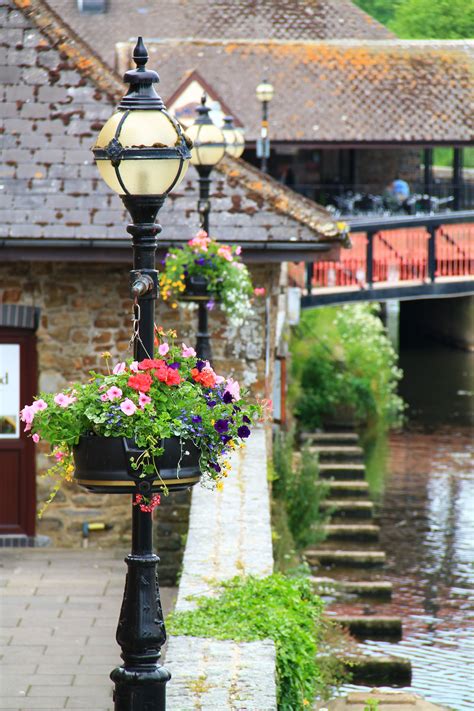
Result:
<point x="85" y="310"/>
<point x="229" y="535"/>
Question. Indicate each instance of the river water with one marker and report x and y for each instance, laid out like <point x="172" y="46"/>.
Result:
<point x="423" y="482"/>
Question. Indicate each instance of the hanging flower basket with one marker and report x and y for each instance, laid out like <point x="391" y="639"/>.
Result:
<point x="153" y="425"/>
<point x="105" y="465"/>
<point x="197" y="289"/>
<point x="204" y="269"/>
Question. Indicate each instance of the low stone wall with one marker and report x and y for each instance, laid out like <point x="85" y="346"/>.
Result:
<point x="229" y="534"/>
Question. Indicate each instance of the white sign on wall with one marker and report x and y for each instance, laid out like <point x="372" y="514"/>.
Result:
<point x="9" y="390"/>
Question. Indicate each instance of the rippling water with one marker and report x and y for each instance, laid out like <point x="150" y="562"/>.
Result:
<point x="423" y="479"/>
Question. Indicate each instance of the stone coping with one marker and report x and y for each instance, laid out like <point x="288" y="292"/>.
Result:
<point x="229" y="534"/>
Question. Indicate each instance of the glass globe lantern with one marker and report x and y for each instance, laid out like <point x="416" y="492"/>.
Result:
<point x="208" y="140"/>
<point x="142" y="150"/>
<point x="265" y="91"/>
<point x="234" y="138"/>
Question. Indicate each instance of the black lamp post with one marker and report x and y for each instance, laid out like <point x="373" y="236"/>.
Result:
<point x="264" y="94"/>
<point x="142" y="154"/>
<point x="209" y="146"/>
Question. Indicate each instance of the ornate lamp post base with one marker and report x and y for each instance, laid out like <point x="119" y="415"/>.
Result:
<point x="140" y="684"/>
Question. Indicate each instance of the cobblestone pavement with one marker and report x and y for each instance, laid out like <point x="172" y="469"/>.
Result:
<point x="58" y="614"/>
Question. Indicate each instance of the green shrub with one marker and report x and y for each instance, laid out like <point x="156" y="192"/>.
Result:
<point x="344" y="362"/>
<point x="281" y="608"/>
<point x="297" y="487"/>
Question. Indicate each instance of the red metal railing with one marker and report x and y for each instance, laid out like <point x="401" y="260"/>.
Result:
<point x="400" y="255"/>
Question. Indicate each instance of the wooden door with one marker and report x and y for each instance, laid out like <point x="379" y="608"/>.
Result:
<point x="17" y="457"/>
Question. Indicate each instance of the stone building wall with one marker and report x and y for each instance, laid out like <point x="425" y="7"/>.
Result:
<point x="85" y="310"/>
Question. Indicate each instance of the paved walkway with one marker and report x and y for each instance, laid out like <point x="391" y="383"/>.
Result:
<point x="58" y="614"/>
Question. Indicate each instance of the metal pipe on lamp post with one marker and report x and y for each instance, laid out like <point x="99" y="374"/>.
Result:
<point x="142" y="154"/>
<point x="264" y="93"/>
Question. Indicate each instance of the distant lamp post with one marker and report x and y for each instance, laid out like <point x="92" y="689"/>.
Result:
<point x="209" y="147"/>
<point x="264" y="94"/>
<point x="234" y="138"/>
<point x="142" y="154"/>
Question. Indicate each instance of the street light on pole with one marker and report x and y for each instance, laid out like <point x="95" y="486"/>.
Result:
<point x="264" y="92"/>
<point x="142" y="154"/>
<point x="209" y="146"/>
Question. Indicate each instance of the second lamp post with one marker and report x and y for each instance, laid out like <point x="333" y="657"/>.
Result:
<point x="210" y="143"/>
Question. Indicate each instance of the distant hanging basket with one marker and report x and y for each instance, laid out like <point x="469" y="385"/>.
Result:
<point x="104" y="465"/>
<point x="197" y="289"/>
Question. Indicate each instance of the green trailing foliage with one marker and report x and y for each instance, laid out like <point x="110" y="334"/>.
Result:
<point x="344" y="365"/>
<point x="298" y="488"/>
<point x="278" y="607"/>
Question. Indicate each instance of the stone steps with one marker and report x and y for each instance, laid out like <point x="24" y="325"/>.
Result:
<point x="384" y="670"/>
<point x="352" y="532"/>
<point x="332" y="438"/>
<point x="379" y="589"/>
<point x="338" y="453"/>
<point x="352" y="508"/>
<point x="339" y="471"/>
<point x="345" y="558"/>
<point x="349" y="487"/>
<point x="370" y="626"/>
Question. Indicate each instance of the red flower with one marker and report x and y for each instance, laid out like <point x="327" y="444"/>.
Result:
<point x="140" y="382"/>
<point x="161" y="371"/>
<point x="206" y="377"/>
<point x="149" y="363"/>
<point x="172" y="377"/>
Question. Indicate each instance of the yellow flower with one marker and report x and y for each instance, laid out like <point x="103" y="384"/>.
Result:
<point x="106" y="354"/>
<point x="220" y="485"/>
<point x="174" y="306"/>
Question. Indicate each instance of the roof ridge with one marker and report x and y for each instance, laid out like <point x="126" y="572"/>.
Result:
<point x="68" y="42"/>
<point x="345" y="41"/>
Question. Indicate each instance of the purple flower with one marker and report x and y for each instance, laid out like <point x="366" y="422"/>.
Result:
<point x="201" y="261"/>
<point x="246" y="419"/>
<point x="222" y="426"/>
<point x="243" y="431"/>
<point x="211" y="403"/>
<point x="216" y="467"/>
<point x="227" y="397"/>
<point x="175" y="366"/>
<point x="200" y="364"/>
<point x="210" y="304"/>
<point x="196" y="418"/>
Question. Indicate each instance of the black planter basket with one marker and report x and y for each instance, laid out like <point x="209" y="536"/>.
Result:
<point x="196" y="289"/>
<point x="103" y="465"/>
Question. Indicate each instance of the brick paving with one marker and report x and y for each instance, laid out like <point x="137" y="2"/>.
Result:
<point x="58" y="614"/>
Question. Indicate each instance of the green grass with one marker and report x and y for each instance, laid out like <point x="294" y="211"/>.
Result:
<point x="443" y="156"/>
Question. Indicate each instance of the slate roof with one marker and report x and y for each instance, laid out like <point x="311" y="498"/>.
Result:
<point x="219" y="19"/>
<point x="57" y="97"/>
<point x="351" y="91"/>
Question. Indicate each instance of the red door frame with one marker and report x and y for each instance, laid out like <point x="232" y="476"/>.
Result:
<point x="28" y="384"/>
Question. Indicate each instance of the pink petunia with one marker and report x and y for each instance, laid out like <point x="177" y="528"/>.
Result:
<point x="219" y="379"/>
<point x="233" y="388"/>
<point x="119" y="368"/>
<point x="36" y="438"/>
<point x="27" y="415"/>
<point x="64" y="400"/>
<point x="114" y="392"/>
<point x="128" y="407"/>
<point x="143" y="400"/>
<point x="226" y="252"/>
<point x="104" y="397"/>
<point x="134" y="366"/>
<point x="163" y="349"/>
<point x="187" y="351"/>
<point x="39" y="405"/>
<point x="238" y="250"/>
<point x="259" y="291"/>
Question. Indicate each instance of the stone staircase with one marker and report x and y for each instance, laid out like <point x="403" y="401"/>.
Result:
<point x="348" y="565"/>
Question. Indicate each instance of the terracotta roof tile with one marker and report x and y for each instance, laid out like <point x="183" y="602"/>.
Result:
<point x="219" y="19"/>
<point x="347" y="90"/>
